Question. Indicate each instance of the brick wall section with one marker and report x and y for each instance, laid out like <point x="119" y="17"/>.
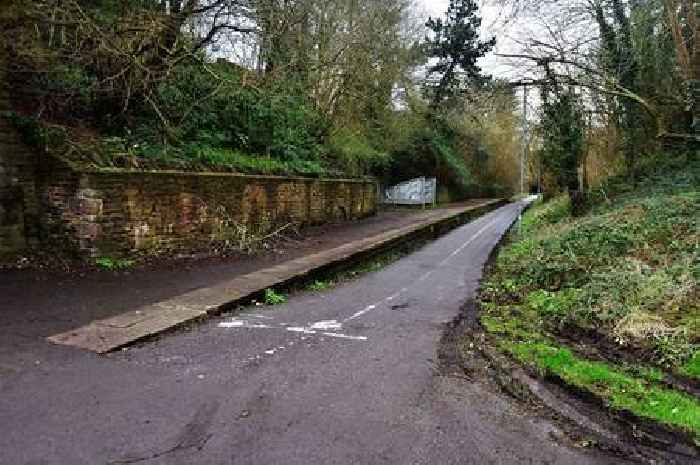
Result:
<point x="119" y="212"/>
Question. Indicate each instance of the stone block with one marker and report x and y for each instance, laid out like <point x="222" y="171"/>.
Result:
<point x="88" y="230"/>
<point x="87" y="193"/>
<point x="90" y="207"/>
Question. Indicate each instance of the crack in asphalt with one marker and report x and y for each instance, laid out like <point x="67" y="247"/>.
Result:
<point x="178" y="447"/>
<point x="195" y="435"/>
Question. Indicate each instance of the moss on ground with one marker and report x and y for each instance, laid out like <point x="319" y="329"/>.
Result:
<point x="639" y="395"/>
<point x="692" y="367"/>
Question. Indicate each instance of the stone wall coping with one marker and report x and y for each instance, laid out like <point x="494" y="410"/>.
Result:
<point x="92" y="210"/>
<point x="213" y="174"/>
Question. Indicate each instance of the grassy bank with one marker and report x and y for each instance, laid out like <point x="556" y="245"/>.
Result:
<point x="608" y="302"/>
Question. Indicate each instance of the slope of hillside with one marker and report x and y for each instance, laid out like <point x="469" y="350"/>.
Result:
<point x="608" y="302"/>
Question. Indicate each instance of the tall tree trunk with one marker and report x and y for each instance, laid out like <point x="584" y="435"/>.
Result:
<point x="442" y="86"/>
<point x="682" y="18"/>
<point x="628" y="78"/>
<point x="695" y="71"/>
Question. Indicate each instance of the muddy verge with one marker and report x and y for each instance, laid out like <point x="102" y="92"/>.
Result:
<point x="467" y="350"/>
<point x="596" y="345"/>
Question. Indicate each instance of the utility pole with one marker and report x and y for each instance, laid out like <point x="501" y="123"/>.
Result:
<point x="525" y="140"/>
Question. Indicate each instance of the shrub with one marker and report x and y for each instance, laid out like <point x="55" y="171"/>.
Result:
<point x="113" y="264"/>
<point x="274" y="298"/>
<point x="228" y="113"/>
<point x="354" y="154"/>
<point x="553" y="305"/>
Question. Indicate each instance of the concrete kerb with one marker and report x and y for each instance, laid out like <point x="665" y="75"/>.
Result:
<point x="428" y="230"/>
<point x="424" y="232"/>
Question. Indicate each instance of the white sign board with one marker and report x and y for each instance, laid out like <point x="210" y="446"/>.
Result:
<point x="419" y="191"/>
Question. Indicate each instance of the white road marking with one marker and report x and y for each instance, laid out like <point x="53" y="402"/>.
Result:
<point x="396" y="294"/>
<point x="369" y="308"/>
<point x="330" y="328"/>
<point x="423" y="277"/>
<point x="326" y="325"/>
<point x="299" y="329"/>
<point x="345" y="336"/>
<point x="242" y="324"/>
<point x="464" y="246"/>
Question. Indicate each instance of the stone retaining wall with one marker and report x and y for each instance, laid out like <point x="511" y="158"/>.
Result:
<point x="116" y="211"/>
<point x="47" y="202"/>
<point x="44" y="201"/>
<point x="18" y="206"/>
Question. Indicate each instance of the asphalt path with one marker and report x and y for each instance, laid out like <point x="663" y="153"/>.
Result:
<point x="349" y="375"/>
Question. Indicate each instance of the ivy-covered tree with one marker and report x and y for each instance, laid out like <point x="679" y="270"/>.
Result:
<point x="563" y="141"/>
<point x="620" y="61"/>
<point x="455" y="43"/>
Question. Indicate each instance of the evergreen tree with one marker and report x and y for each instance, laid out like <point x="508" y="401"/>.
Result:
<point x="456" y="45"/>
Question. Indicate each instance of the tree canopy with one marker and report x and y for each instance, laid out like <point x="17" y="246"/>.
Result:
<point x="455" y="46"/>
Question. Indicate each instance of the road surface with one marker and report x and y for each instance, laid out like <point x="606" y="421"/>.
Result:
<point x="345" y="376"/>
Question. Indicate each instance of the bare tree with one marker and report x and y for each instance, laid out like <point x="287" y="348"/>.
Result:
<point x="129" y="51"/>
<point x="633" y="61"/>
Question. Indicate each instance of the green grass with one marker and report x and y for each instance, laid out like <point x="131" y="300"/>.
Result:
<point x="114" y="264"/>
<point x="546" y="213"/>
<point x="318" y="286"/>
<point x="627" y="272"/>
<point x="215" y="158"/>
<point x="628" y="269"/>
<point x="512" y="325"/>
<point x="114" y="152"/>
<point x="692" y="367"/>
<point x="273" y="297"/>
<point x="621" y="390"/>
